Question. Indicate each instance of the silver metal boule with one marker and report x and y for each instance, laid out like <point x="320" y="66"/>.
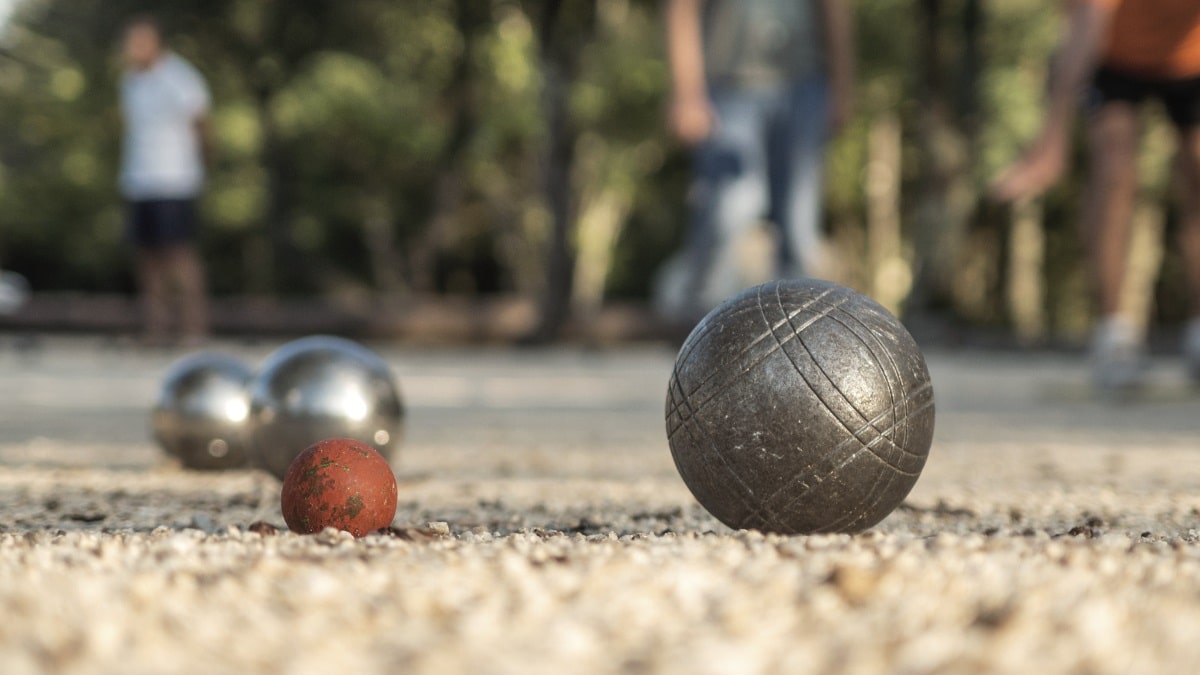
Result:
<point x="201" y="412"/>
<point x="321" y="387"/>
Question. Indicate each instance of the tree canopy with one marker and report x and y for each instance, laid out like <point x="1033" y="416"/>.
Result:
<point x="382" y="148"/>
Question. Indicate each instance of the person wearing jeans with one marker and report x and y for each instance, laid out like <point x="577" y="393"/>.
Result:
<point x="757" y="87"/>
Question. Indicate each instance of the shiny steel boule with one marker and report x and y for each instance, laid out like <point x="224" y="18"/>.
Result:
<point x="201" y="411"/>
<point x="317" y="388"/>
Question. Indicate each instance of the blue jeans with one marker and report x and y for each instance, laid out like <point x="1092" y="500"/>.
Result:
<point x="764" y="158"/>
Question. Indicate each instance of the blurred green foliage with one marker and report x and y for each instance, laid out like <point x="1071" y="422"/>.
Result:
<point x="375" y="147"/>
<point x="338" y="127"/>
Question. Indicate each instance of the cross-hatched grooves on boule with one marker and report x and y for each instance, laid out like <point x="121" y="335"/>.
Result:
<point x="879" y="435"/>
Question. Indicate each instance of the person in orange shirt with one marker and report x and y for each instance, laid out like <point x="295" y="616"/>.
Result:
<point x="1116" y="55"/>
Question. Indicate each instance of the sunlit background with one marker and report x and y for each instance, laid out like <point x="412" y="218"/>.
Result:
<point x="379" y="152"/>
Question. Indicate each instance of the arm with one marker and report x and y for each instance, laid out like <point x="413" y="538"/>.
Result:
<point x="195" y="100"/>
<point x="691" y="116"/>
<point x="839" y="45"/>
<point x="1078" y="54"/>
<point x="204" y="136"/>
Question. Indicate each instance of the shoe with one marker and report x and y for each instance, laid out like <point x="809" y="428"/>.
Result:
<point x="1118" y="363"/>
<point x="14" y="291"/>
<point x="1191" y="349"/>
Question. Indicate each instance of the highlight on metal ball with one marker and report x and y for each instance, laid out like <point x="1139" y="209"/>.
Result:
<point x="201" y="411"/>
<point x="321" y="387"/>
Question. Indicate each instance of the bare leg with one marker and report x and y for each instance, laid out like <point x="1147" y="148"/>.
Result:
<point x="152" y="279"/>
<point x="1188" y="184"/>
<point x="187" y="272"/>
<point x="1105" y="223"/>
<point x="1113" y="135"/>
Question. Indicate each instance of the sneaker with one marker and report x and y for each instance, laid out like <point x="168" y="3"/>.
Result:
<point x="1191" y="349"/>
<point x="14" y="291"/>
<point x="1118" y="363"/>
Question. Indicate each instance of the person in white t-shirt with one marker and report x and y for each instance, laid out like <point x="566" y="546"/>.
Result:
<point x="165" y="104"/>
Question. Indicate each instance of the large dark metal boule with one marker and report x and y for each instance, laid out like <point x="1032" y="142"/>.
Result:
<point x="800" y="406"/>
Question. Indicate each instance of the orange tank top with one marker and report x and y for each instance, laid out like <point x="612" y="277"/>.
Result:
<point x="1154" y="38"/>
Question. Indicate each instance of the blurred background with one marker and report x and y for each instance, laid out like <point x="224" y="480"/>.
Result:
<point x="477" y="166"/>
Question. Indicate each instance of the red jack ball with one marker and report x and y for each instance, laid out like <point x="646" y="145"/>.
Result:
<point x="339" y="483"/>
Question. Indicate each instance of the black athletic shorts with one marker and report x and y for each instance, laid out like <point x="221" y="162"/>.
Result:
<point x="1181" y="98"/>
<point x="161" y="223"/>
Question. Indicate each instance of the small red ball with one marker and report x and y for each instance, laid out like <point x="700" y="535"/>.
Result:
<point x="339" y="483"/>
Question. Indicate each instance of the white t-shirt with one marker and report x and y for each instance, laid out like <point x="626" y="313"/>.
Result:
<point x="162" y="156"/>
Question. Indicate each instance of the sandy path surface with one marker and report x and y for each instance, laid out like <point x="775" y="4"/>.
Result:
<point x="542" y="529"/>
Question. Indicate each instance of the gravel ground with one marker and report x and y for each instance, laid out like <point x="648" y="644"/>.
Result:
<point x="542" y="528"/>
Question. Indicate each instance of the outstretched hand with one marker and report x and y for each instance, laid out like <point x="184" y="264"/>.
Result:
<point x="1040" y="167"/>
<point x="692" y="119"/>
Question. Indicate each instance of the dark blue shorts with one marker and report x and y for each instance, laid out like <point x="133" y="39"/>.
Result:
<point x="161" y="223"/>
<point x="1181" y="98"/>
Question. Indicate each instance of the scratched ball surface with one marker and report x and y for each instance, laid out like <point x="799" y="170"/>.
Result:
<point x="200" y="414"/>
<point x="339" y="483"/>
<point x="800" y="406"/>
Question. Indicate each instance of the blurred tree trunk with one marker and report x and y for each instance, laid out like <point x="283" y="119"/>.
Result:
<point x="274" y="47"/>
<point x="888" y="276"/>
<point x="603" y="205"/>
<point x="973" y="25"/>
<point x="559" y="46"/>
<point x="280" y="250"/>
<point x="276" y="262"/>
<point x="379" y="230"/>
<point x="946" y="195"/>
<point x="1026" y="288"/>
<point x="472" y="19"/>
<point x="930" y="201"/>
<point x="600" y="220"/>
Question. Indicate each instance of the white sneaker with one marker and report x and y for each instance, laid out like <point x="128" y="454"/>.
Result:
<point x="14" y="291"/>
<point x="1116" y="354"/>
<point x="1191" y="349"/>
